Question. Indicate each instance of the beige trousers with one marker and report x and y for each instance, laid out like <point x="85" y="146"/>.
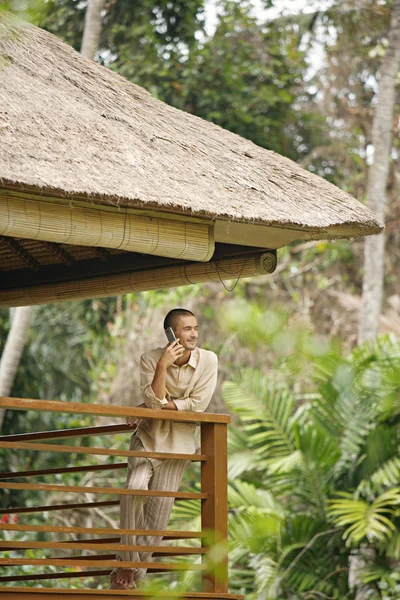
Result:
<point x="141" y="512"/>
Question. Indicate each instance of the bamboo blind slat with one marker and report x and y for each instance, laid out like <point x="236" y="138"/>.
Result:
<point x="92" y="226"/>
<point x="139" y="281"/>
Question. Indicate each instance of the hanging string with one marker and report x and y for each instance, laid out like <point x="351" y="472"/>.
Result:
<point x="219" y="275"/>
<point x="187" y="278"/>
<point x="237" y="280"/>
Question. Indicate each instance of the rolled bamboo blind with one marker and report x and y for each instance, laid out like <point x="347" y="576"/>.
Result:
<point x="115" y="228"/>
<point x="139" y="281"/>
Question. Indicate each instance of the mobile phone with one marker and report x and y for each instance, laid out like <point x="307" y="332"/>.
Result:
<point x="170" y="335"/>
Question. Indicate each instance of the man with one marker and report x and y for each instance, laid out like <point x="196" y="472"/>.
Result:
<point x="180" y="376"/>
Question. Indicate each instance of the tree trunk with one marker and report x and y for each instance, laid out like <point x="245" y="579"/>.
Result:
<point x="92" y="31"/>
<point x="374" y="249"/>
<point x="13" y="350"/>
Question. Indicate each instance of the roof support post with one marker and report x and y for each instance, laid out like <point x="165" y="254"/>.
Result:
<point x="214" y="510"/>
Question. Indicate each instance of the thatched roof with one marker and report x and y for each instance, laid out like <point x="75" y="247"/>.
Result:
<point x="72" y="128"/>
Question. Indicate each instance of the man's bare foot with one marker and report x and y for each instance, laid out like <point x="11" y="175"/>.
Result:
<point x="122" y="579"/>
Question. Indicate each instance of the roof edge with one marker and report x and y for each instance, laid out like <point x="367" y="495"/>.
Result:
<point x="344" y="230"/>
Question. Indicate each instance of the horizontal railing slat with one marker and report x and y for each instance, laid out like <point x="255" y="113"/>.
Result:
<point x="82" y="469"/>
<point x="51" y="507"/>
<point x="166" y="533"/>
<point x="96" y="557"/>
<point x="55" y="487"/>
<point x="9" y="545"/>
<point x="99" y="451"/>
<point x="65" y="562"/>
<point x="66" y="433"/>
<point x="61" y="575"/>
<point x="106" y="410"/>
<point x="18" y="593"/>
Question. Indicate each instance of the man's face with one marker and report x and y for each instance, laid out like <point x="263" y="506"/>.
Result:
<point x="185" y="328"/>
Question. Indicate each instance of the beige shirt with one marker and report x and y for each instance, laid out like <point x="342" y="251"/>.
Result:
<point x="190" y="386"/>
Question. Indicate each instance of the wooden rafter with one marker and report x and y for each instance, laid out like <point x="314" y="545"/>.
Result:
<point x="102" y="253"/>
<point x="60" y="252"/>
<point x="29" y="260"/>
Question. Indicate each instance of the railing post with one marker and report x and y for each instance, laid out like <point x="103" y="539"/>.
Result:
<point x="214" y="510"/>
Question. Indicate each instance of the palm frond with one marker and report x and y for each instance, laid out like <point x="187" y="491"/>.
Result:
<point x="364" y="520"/>
<point x="380" y="465"/>
<point x="266" y="576"/>
<point x="265" y="413"/>
<point x="393" y="546"/>
<point x="241" y="459"/>
<point x="245" y="496"/>
<point x="345" y="410"/>
<point x="186" y="513"/>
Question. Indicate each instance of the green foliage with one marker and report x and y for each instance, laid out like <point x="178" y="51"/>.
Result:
<point x="245" y="79"/>
<point x="270" y="433"/>
<point x="371" y="521"/>
<point x="314" y="449"/>
<point x="321" y="478"/>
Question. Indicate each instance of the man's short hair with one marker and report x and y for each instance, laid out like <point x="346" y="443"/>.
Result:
<point x="173" y="314"/>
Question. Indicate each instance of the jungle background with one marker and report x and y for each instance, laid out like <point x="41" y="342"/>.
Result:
<point x="314" y="446"/>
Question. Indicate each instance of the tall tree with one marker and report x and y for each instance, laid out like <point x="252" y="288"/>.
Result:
<point x="10" y="359"/>
<point x="92" y="31"/>
<point x="374" y="249"/>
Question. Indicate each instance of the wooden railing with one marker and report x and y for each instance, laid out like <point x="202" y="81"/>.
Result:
<point x="212" y="494"/>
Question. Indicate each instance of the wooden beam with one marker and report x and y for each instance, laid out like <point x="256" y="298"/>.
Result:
<point x="41" y="576"/>
<point x="83" y="545"/>
<point x="23" y="593"/>
<point x="65" y="433"/>
<point x="26" y="257"/>
<point x="65" y="562"/>
<point x="214" y="510"/>
<point x="165" y="533"/>
<point x="106" y="410"/>
<point x="102" y="253"/>
<point x="82" y="469"/>
<point x="59" y="251"/>
<point x="82" y="489"/>
<point x="98" y="451"/>
<point x="51" y="507"/>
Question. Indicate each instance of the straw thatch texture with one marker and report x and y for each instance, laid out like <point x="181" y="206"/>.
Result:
<point x="75" y="128"/>
<point x="97" y="226"/>
<point x="150" y="279"/>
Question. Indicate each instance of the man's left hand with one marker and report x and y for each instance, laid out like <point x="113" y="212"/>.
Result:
<point x="170" y="405"/>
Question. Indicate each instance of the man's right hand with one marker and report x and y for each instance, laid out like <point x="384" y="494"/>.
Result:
<point x="171" y="353"/>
